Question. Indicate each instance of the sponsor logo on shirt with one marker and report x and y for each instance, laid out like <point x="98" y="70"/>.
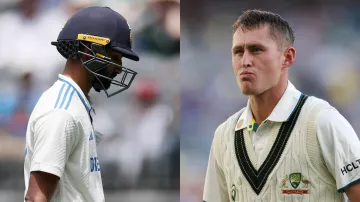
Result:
<point x="94" y="164"/>
<point x="233" y="192"/>
<point x="91" y="136"/>
<point x="295" y="183"/>
<point x="350" y="167"/>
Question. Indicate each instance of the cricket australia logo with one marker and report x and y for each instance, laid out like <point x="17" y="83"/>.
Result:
<point x="295" y="183"/>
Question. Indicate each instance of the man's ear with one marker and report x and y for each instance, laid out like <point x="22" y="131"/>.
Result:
<point x="289" y="57"/>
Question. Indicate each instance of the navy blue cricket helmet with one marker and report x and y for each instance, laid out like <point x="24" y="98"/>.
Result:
<point x="95" y="29"/>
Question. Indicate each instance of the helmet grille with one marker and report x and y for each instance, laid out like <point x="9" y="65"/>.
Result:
<point x="68" y="49"/>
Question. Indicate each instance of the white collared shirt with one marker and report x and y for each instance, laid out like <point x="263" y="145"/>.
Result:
<point x="339" y="147"/>
<point x="339" y="144"/>
<point x="281" y="113"/>
<point x="60" y="141"/>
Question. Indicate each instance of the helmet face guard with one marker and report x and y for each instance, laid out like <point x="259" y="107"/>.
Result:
<point x="96" y="60"/>
<point x="87" y="34"/>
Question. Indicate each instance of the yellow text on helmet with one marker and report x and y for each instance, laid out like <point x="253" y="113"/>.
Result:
<point x="94" y="39"/>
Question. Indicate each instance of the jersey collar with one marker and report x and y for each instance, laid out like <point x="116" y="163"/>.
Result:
<point x="78" y="90"/>
<point x="281" y="112"/>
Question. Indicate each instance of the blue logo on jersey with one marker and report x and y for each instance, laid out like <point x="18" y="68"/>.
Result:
<point x="91" y="136"/>
<point x="94" y="164"/>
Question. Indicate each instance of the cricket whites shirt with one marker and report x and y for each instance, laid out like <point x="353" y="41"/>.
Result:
<point x="60" y="140"/>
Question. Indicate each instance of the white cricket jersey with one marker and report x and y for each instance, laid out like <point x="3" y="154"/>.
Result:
<point x="60" y="140"/>
<point x="304" y="151"/>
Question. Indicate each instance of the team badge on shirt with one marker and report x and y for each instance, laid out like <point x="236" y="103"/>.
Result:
<point x="295" y="183"/>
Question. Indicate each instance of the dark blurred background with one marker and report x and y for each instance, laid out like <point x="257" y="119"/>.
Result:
<point x="327" y="66"/>
<point x="140" y="150"/>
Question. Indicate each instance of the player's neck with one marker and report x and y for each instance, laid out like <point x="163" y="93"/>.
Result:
<point x="78" y="75"/>
<point x="262" y="105"/>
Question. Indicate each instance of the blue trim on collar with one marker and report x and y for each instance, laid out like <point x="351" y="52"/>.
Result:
<point x="88" y="108"/>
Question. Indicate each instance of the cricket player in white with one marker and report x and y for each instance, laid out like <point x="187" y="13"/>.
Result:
<point x="61" y="162"/>
<point x="60" y="140"/>
<point x="284" y="145"/>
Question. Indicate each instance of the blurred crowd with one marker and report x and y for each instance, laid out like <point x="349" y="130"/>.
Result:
<point x="140" y="143"/>
<point x="327" y="66"/>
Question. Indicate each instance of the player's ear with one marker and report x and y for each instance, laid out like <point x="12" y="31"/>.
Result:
<point x="289" y="57"/>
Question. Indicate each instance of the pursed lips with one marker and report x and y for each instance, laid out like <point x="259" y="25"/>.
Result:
<point x="246" y="73"/>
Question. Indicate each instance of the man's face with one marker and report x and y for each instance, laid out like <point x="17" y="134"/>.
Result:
<point x="257" y="60"/>
<point x="110" y="71"/>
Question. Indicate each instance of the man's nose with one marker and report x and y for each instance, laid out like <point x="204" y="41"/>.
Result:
<point x="246" y="60"/>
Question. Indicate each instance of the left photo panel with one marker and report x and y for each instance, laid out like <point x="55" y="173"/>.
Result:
<point x="89" y="100"/>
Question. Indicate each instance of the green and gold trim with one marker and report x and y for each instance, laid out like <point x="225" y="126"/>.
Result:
<point x="253" y="125"/>
<point x="257" y="178"/>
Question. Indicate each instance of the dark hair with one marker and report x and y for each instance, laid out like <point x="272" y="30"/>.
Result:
<point x="280" y="30"/>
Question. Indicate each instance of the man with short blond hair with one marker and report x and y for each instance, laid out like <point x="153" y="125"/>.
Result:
<point x="284" y="145"/>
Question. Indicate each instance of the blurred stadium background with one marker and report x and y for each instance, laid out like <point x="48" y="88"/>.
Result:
<point x="139" y="153"/>
<point x="327" y="65"/>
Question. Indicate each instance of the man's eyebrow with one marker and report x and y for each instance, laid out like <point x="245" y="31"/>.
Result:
<point x="250" y="45"/>
<point x="237" y="47"/>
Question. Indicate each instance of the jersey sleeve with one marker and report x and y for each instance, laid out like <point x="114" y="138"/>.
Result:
<point x="215" y="189"/>
<point x="340" y="147"/>
<point x="55" y="137"/>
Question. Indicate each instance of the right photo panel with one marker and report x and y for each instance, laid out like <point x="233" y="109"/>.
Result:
<point x="270" y="101"/>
